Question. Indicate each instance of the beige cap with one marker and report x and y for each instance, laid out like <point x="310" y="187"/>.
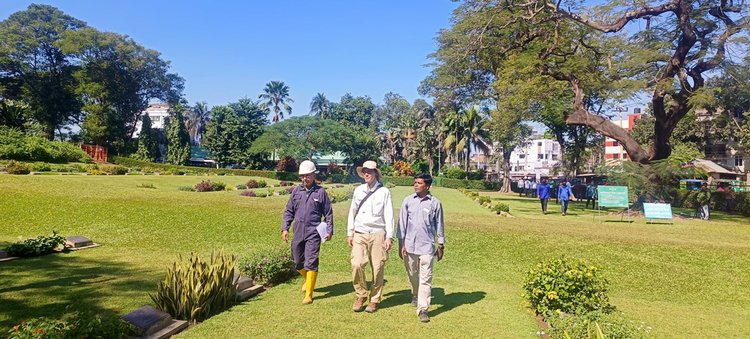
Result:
<point x="369" y="164"/>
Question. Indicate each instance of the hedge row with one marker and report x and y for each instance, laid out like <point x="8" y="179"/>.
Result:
<point x="289" y="176"/>
<point x="447" y="183"/>
<point x="740" y="205"/>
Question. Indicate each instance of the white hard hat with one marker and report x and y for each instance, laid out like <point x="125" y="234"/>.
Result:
<point x="307" y="167"/>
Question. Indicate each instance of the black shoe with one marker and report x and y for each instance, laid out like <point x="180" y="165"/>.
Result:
<point x="423" y="317"/>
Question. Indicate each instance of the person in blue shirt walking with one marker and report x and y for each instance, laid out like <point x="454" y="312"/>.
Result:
<point x="543" y="192"/>
<point x="564" y="194"/>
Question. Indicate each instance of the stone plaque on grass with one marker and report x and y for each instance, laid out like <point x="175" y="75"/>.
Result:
<point x="79" y="242"/>
<point x="148" y="320"/>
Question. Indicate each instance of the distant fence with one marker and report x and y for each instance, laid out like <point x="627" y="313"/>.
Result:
<point x="96" y="152"/>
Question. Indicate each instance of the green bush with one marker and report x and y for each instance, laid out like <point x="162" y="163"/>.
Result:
<point x="499" y="207"/>
<point x="96" y="325"/>
<point x="612" y="325"/>
<point x="269" y="267"/>
<point x="262" y="184"/>
<point x="40" y="245"/>
<point x="186" y="188"/>
<point x="195" y="289"/>
<point x="16" y="145"/>
<point x="41" y="167"/>
<point x="339" y="196"/>
<point x="13" y="167"/>
<point x="209" y="186"/>
<point x="484" y="200"/>
<point x="38" y="328"/>
<point x="566" y="285"/>
<point x="454" y="173"/>
<point x="470" y="184"/>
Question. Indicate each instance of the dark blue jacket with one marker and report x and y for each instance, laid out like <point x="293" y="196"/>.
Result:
<point x="543" y="191"/>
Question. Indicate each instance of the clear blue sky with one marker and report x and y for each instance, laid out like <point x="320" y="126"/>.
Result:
<point x="227" y="50"/>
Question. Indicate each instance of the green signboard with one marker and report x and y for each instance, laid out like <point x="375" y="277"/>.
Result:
<point x="613" y="196"/>
<point x="657" y="211"/>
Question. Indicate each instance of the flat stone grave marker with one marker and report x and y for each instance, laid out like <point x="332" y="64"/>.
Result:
<point x="4" y="256"/>
<point x="152" y="323"/>
<point x="78" y="242"/>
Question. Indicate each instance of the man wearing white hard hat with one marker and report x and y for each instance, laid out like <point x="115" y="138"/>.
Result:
<point x="370" y="235"/>
<point x="308" y="205"/>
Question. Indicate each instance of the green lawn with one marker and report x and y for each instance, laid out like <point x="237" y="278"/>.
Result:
<point x="687" y="279"/>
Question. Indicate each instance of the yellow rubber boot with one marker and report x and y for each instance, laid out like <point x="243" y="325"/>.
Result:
<point x="303" y="273"/>
<point x="310" y="286"/>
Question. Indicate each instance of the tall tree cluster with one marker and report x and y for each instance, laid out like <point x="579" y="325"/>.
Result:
<point x="56" y="71"/>
<point x="517" y="54"/>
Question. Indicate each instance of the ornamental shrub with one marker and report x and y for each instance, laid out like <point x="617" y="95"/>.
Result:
<point x="484" y="200"/>
<point x="208" y="186"/>
<point x="269" y="267"/>
<point x="454" y="173"/>
<point x="287" y="164"/>
<point x="186" y="188"/>
<point x="195" y="289"/>
<point x="13" y="167"/>
<point x="248" y="194"/>
<point x="499" y="207"/>
<point x="402" y="168"/>
<point x="566" y="285"/>
<point x="262" y="184"/>
<point x="40" y="245"/>
<point x="97" y="325"/>
<point x="251" y="184"/>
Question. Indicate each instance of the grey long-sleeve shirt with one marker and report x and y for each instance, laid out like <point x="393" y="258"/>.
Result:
<point x="420" y="224"/>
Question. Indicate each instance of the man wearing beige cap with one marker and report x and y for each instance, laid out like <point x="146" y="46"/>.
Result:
<point x="370" y="235"/>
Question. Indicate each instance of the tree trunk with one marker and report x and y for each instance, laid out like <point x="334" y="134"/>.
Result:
<point x="506" y="172"/>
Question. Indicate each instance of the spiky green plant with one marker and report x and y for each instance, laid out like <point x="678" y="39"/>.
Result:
<point x="195" y="289"/>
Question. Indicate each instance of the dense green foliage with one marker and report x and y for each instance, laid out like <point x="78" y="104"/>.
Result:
<point x="16" y="145"/>
<point x="174" y="169"/>
<point x="40" y="245"/>
<point x="269" y="267"/>
<point x="75" y="325"/>
<point x="58" y="71"/>
<point x="178" y="140"/>
<point x="148" y="147"/>
<point x="195" y="289"/>
<point x="231" y="131"/>
<point x="303" y="137"/>
<point x="566" y="285"/>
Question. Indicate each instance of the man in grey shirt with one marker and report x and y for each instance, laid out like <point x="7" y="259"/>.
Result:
<point x="420" y="227"/>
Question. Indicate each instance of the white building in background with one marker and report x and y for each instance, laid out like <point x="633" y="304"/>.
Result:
<point x="537" y="159"/>
<point x="158" y="112"/>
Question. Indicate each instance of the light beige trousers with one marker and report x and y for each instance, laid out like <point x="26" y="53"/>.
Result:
<point x="368" y="249"/>
<point x="419" y="269"/>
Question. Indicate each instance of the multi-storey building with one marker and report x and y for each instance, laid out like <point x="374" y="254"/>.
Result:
<point x="612" y="147"/>
<point x="158" y="113"/>
<point x="537" y="158"/>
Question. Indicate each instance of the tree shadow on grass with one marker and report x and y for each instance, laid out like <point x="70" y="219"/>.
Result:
<point x="444" y="302"/>
<point x="52" y="285"/>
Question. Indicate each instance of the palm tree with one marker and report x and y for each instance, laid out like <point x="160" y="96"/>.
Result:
<point x="475" y="134"/>
<point x="276" y="96"/>
<point x="196" y="120"/>
<point x="320" y="106"/>
<point x="452" y="129"/>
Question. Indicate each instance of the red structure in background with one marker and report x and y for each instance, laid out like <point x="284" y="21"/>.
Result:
<point x="99" y="153"/>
